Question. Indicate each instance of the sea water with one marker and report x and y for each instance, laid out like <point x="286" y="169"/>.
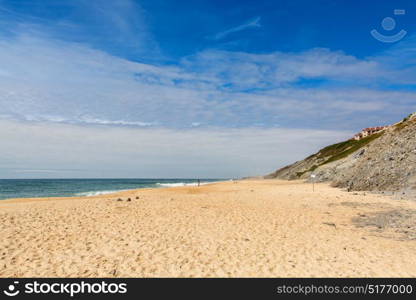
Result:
<point x="32" y="188"/>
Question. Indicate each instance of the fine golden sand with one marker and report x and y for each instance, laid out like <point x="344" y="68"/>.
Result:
<point x="256" y="228"/>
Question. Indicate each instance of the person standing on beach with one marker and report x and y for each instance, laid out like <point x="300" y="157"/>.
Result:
<point x="199" y="182"/>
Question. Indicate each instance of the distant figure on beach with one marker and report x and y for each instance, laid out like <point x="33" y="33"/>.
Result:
<point x="199" y="182"/>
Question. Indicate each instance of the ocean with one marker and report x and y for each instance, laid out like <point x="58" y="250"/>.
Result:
<point x="33" y="188"/>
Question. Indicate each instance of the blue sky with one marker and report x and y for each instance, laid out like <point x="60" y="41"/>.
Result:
<point x="181" y="28"/>
<point x="252" y="70"/>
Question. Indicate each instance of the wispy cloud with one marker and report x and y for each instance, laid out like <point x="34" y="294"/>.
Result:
<point x="28" y="171"/>
<point x="118" y="27"/>
<point x="50" y="80"/>
<point x="277" y="69"/>
<point x="254" y="23"/>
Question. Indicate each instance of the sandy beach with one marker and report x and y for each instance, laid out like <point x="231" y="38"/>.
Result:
<point x="252" y="228"/>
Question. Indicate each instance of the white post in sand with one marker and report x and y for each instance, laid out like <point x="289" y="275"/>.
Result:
<point x="313" y="182"/>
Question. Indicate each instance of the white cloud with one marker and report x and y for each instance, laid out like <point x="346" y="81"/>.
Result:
<point x="254" y="23"/>
<point x="49" y="80"/>
<point x="120" y="23"/>
<point x="245" y="70"/>
<point x="41" y="150"/>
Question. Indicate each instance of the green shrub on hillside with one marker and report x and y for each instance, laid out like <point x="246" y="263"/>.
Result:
<point x="340" y="150"/>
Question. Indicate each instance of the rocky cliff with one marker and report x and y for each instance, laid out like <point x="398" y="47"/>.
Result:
<point x="385" y="161"/>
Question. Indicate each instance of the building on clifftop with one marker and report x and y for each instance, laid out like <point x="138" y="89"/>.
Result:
<point x="369" y="131"/>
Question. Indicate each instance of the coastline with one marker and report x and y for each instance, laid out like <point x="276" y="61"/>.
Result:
<point x="101" y="194"/>
<point x="247" y="228"/>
